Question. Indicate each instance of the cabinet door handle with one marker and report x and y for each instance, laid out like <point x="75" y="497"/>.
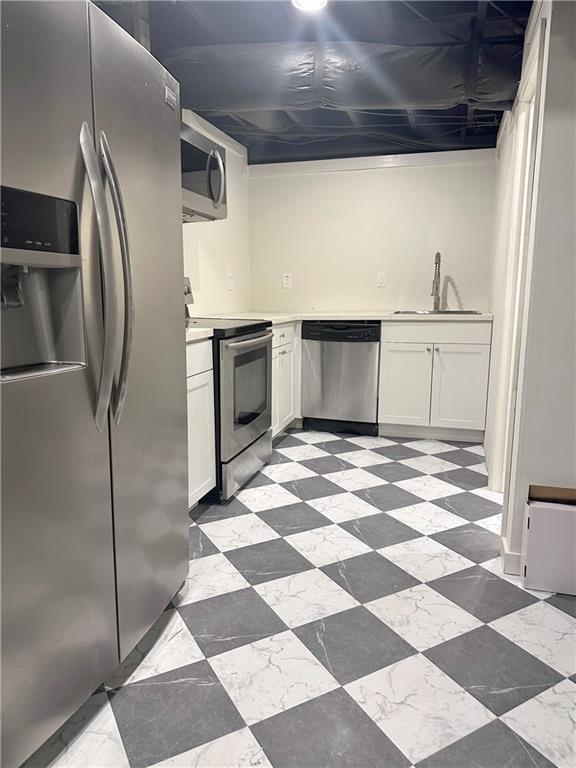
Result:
<point x="437" y="350"/>
<point x="428" y="349"/>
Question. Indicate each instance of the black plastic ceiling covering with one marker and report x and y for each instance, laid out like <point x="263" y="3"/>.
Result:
<point x="359" y="78"/>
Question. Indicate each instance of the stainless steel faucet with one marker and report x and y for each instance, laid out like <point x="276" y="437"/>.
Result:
<point x="436" y="282"/>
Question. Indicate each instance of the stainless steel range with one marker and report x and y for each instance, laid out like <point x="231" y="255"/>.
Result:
<point x="243" y="399"/>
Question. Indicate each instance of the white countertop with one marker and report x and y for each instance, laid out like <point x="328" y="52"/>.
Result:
<point x="197" y="334"/>
<point x="290" y="317"/>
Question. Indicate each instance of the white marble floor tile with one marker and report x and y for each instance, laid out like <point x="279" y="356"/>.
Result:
<point x="235" y="750"/>
<point x="545" y="632"/>
<point x="174" y="648"/>
<point x="209" y="577"/>
<point x="342" y="507"/>
<point x="271" y="675"/>
<point x="266" y="497"/>
<point x="302" y="452"/>
<point x="304" y="597"/>
<point x="423" y="617"/>
<point x="495" y="567"/>
<point x="425" y="559"/>
<point x="371" y="442"/>
<point x="477" y="449"/>
<point x="312" y="437"/>
<point x="418" y="707"/>
<point x="428" y="487"/>
<point x="481" y="468"/>
<point x="354" y="479"/>
<point x="486" y="493"/>
<point x="492" y="524"/>
<point x="426" y="518"/>
<point x="429" y="464"/>
<point x="548" y="723"/>
<point x="284" y="473"/>
<point x="365" y="458"/>
<point x="98" y="744"/>
<point x="241" y="531"/>
<point x="328" y="544"/>
<point x="430" y="446"/>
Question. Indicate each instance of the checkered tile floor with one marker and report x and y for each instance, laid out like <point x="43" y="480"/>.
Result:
<point x="347" y="608"/>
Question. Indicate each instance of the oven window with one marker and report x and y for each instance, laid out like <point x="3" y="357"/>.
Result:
<point x="250" y="386"/>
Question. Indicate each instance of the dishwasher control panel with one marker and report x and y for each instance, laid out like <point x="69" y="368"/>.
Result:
<point x="341" y="330"/>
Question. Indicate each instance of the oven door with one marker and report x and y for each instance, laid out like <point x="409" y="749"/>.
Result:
<point x="245" y="392"/>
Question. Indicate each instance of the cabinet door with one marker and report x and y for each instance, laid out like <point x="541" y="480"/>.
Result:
<point x="405" y="381"/>
<point x="460" y="385"/>
<point x="201" y="443"/>
<point x="286" y="382"/>
<point x="275" y="391"/>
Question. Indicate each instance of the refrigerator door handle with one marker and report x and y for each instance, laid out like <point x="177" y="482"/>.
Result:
<point x="110" y="306"/>
<point x="120" y="389"/>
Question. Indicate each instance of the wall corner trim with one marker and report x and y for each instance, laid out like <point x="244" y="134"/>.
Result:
<point x="420" y="159"/>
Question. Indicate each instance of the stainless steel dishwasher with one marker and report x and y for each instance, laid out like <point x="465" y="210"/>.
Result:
<point x="340" y="375"/>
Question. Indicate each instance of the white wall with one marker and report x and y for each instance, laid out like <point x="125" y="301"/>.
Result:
<point x="545" y="430"/>
<point x="334" y="230"/>
<point x="217" y="253"/>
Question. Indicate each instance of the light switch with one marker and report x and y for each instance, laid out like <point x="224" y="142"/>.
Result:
<point x="287" y="280"/>
<point x="381" y="279"/>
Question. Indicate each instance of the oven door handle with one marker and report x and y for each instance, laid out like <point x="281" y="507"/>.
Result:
<point x="250" y="343"/>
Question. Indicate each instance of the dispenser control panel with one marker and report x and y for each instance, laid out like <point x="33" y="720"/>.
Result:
<point x="36" y="222"/>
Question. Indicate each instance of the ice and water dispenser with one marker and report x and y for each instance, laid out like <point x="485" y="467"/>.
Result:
<point x="41" y="320"/>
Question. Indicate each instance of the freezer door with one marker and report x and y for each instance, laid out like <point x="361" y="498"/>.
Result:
<point x="136" y="109"/>
<point x="58" y="597"/>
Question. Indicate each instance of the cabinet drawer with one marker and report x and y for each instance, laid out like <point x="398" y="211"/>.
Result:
<point x="198" y="357"/>
<point x="421" y="332"/>
<point x="283" y="334"/>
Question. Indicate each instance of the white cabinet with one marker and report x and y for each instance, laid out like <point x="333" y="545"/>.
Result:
<point x="275" y="391"/>
<point x="434" y="375"/>
<point x="201" y="436"/>
<point x="459" y="385"/>
<point x="405" y="376"/>
<point x="283" y="387"/>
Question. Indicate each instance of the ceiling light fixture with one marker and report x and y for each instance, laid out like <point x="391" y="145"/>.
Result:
<point x="309" y="5"/>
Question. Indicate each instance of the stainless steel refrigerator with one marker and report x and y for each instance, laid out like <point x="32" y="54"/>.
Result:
<point x="94" y="462"/>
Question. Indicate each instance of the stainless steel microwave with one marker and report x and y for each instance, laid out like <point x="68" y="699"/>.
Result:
<point x="203" y="177"/>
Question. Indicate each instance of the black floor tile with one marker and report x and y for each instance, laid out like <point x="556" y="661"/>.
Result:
<point x="330" y="731"/>
<point x="469" y="506"/>
<point x="471" y="541"/>
<point x="268" y="560"/>
<point x="231" y="620"/>
<point x="209" y="513"/>
<point x="463" y="478"/>
<point x="566" y="603"/>
<point x="380" y="530"/>
<point x="492" y="746"/>
<point x="370" y="576"/>
<point x="481" y="593"/>
<point x="312" y="488"/>
<point x="337" y="447"/>
<point x="294" y="518"/>
<point x="393" y="472"/>
<point x="461" y="457"/>
<point x="353" y="643"/>
<point x="497" y="672"/>
<point x="199" y="545"/>
<point x="397" y="452"/>
<point x="172" y="713"/>
<point x="327" y="464"/>
<point x="386" y="497"/>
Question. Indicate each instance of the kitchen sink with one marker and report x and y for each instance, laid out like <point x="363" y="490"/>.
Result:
<point x="438" y="312"/>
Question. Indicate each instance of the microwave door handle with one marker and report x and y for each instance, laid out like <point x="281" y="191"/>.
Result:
<point x="118" y="203"/>
<point x="250" y="343"/>
<point x="216" y="153"/>
<point x="110" y="306"/>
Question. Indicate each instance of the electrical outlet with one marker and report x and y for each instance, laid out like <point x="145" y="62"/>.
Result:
<point x="381" y="279"/>
<point x="287" y="280"/>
